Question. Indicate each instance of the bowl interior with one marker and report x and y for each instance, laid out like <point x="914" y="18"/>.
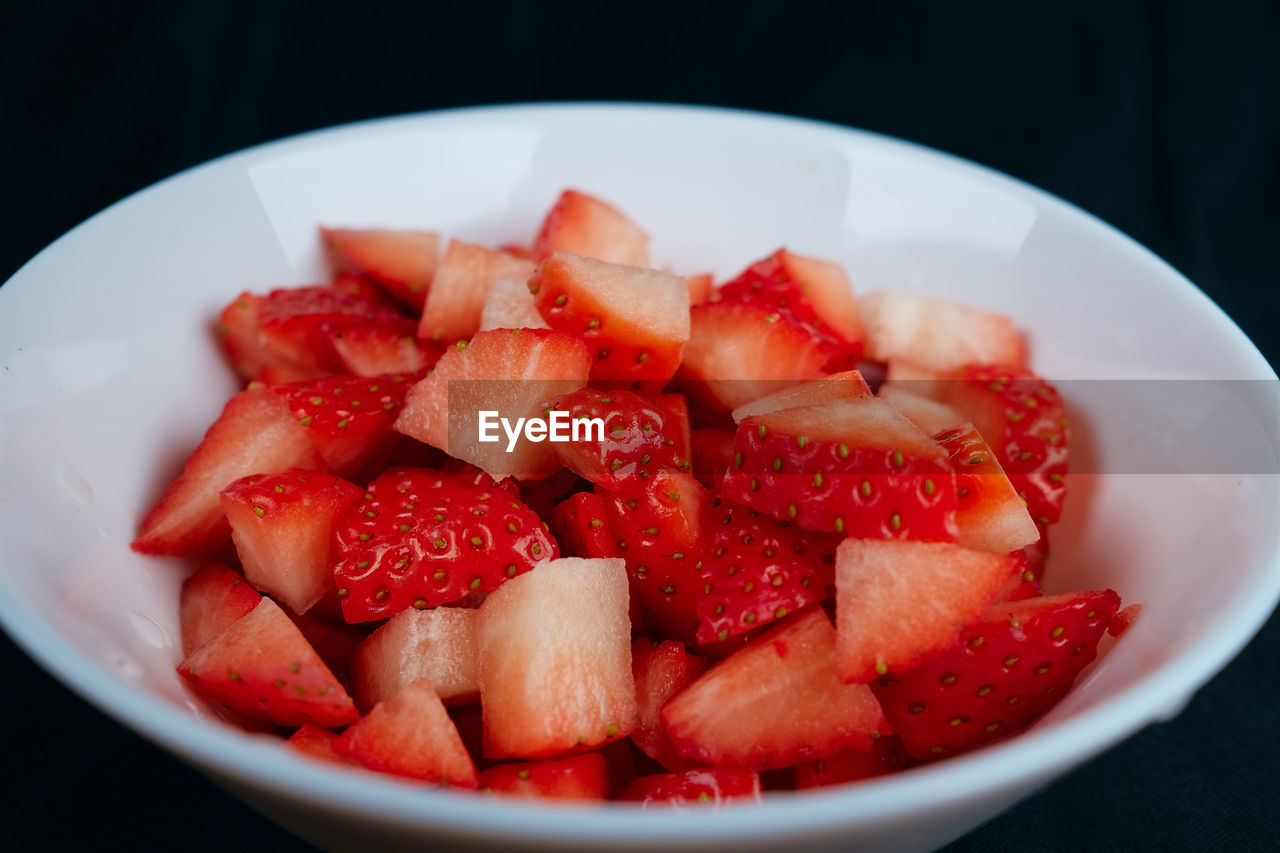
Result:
<point x="111" y="373"/>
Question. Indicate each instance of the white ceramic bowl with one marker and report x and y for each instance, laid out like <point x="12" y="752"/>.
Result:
<point x="110" y="376"/>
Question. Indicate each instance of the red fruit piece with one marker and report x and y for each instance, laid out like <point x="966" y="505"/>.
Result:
<point x="315" y="742"/>
<point x="1008" y="669"/>
<point x="756" y="569"/>
<point x="282" y="526"/>
<point x="462" y="283"/>
<point x="700" y="287"/>
<point x="510" y="305"/>
<point x="382" y="348"/>
<point x="852" y="765"/>
<point x="712" y="455"/>
<point x="657" y="524"/>
<point x="640" y="435"/>
<point x="238" y="329"/>
<point x="931" y="416"/>
<point x="581" y="524"/>
<point x="900" y="603"/>
<point x="253" y="435"/>
<point x="555" y="660"/>
<point x="661" y="670"/>
<point x="810" y="291"/>
<point x="741" y="351"/>
<point x="415" y="540"/>
<point x="1024" y="420"/>
<point x="295" y="324"/>
<point x="334" y="640"/>
<point x="403" y="262"/>
<point x="210" y="600"/>
<point x="711" y="786"/>
<point x="774" y="702"/>
<point x="989" y="514"/>
<point x="1023" y="580"/>
<point x="937" y="335"/>
<point x="847" y="385"/>
<point x="513" y="372"/>
<point x="635" y="321"/>
<point x="410" y="735"/>
<point x="348" y="418"/>
<point x="1124" y="620"/>
<point x="579" y="777"/>
<point x="261" y="666"/>
<point x="587" y="226"/>
<point x="439" y="644"/>
<point x="855" y="467"/>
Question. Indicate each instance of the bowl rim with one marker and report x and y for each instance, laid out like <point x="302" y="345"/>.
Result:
<point x="1020" y="763"/>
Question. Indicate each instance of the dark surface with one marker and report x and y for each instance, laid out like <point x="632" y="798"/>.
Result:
<point x="1161" y="118"/>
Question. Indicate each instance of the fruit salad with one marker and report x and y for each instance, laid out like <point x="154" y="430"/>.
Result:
<point x="546" y="520"/>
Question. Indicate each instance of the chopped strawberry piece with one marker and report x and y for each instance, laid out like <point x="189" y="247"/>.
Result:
<point x="635" y="321"/>
<point x="774" y="702"/>
<point x="348" y="418"/>
<point x="544" y="494"/>
<point x="1023" y="581"/>
<point x="238" y="329"/>
<point x="315" y="742"/>
<point x="1008" y="669"/>
<point x="712" y="451"/>
<point x="578" y="777"/>
<point x="510" y="305"/>
<point x="404" y="262"/>
<point x="263" y="667"/>
<point x="640" y="435"/>
<point x="253" y="435"/>
<point x="661" y="670"/>
<point x="741" y="351"/>
<point x="211" y="599"/>
<point x="703" y="787"/>
<point x="900" y="603"/>
<point x="846" y="385"/>
<point x="935" y="334"/>
<point x="437" y="644"/>
<point x="282" y="526"/>
<point x="377" y="349"/>
<point x="510" y="372"/>
<point x="1024" y="420"/>
<point x="989" y="514"/>
<point x="410" y="735"/>
<point x="418" y="540"/>
<point x="852" y="765"/>
<point x="466" y="274"/>
<point x="334" y="640"/>
<point x="855" y="467"/>
<point x="1124" y="620"/>
<point x="555" y="660"/>
<point x="587" y="226"/>
<point x="296" y="324"/>
<point x="700" y="287"/>
<point x="931" y="416"/>
<point x="582" y="526"/>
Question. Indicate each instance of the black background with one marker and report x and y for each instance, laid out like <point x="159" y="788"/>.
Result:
<point x="1162" y="118"/>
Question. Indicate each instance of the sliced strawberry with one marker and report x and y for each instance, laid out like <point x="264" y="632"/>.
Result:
<point x="1007" y="670"/>
<point x="581" y="524"/>
<point x="635" y="436"/>
<point x="900" y="603"/>
<point x="1024" y="420"/>
<point x="510" y="305"/>
<point x="410" y="735"/>
<point x="555" y="660"/>
<point x="935" y="334"/>
<point x="989" y="514"/>
<point x="700" y="287"/>
<point x="282" y="526"/>
<point x="587" y="226"/>
<point x="704" y="787"/>
<point x="348" y="418"/>
<point x="418" y="540"/>
<point x="377" y="349"/>
<point x="846" y="385"/>
<point x="404" y="262"/>
<point x="1124" y="620"/>
<point x="544" y="494"/>
<point x="253" y="435"/>
<point x="261" y="666"/>
<point x="315" y="742"/>
<point x="334" y="640"/>
<point x="657" y="524"/>
<point x="210" y="600"/>
<point x="712" y="451"/>
<point x="635" y="321"/>
<point x="756" y="569"/>
<point x="1023" y="580"/>
<point x="295" y="324"/>
<point x="466" y="275"/>
<point x="774" y="702"/>
<point x="931" y="416"/>
<point x="661" y="670"/>
<point x="852" y="765"/>
<point x="437" y="644"/>
<point x="808" y="290"/>
<point x="578" y="777"/>
<point x="741" y="351"/>
<point x="510" y="372"/>
<point x="855" y="467"/>
<point x="238" y="329"/>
